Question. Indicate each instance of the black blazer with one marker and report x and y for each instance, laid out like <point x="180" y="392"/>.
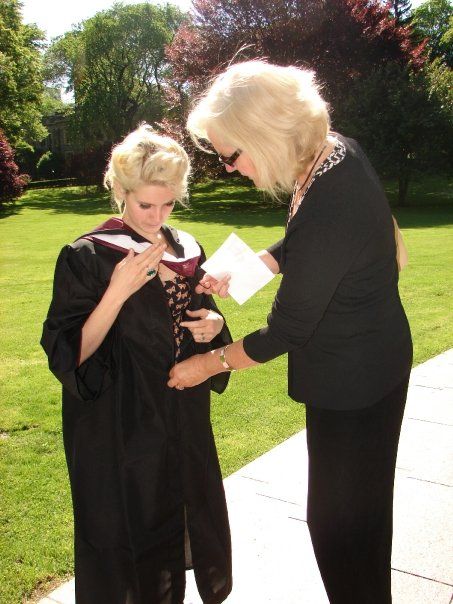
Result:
<point x="337" y="311"/>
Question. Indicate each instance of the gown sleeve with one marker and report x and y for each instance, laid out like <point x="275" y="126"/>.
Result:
<point x="78" y="288"/>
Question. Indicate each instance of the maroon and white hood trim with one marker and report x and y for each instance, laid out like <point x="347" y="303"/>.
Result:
<point x="117" y="235"/>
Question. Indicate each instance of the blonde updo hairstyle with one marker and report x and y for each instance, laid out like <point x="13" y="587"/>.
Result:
<point x="145" y="157"/>
<point x="275" y="114"/>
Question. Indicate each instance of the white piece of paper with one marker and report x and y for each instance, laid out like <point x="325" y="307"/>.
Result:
<point x="248" y="273"/>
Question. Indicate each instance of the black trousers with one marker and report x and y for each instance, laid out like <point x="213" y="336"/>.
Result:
<point x="352" y="457"/>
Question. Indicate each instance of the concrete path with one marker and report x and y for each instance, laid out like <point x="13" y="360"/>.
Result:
<point x="272" y="554"/>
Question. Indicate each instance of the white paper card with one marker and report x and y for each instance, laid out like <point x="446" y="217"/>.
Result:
<point x="248" y="272"/>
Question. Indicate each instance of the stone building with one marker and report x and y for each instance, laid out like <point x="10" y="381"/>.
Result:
<point x="58" y="140"/>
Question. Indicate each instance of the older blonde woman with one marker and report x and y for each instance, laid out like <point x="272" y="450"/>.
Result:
<point x="146" y="485"/>
<point x="337" y="311"/>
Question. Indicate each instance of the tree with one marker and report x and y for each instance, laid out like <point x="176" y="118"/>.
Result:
<point x="433" y="20"/>
<point x="339" y="38"/>
<point x="440" y="78"/>
<point x="397" y="115"/>
<point x="343" y="40"/>
<point x="52" y="102"/>
<point x="21" y="84"/>
<point x="115" y="63"/>
<point x="11" y="182"/>
<point x="401" y="10"/>
<point x="202" y="164"/>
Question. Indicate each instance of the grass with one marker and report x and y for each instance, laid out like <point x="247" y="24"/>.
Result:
<point x="250" y="418"/>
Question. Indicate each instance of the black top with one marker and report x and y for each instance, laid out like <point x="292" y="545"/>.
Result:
<point x="146" y="484"/>
<point x="337" y="311"/>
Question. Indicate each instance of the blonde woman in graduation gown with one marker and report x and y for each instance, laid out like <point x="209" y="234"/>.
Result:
<point x="146" y="485"/>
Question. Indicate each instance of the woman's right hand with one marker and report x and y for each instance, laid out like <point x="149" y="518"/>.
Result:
<point x="134" y="271"/>
<point x="128" y="276"/>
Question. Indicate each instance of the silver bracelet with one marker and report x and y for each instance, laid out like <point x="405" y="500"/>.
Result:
<point x="223" y="359"/>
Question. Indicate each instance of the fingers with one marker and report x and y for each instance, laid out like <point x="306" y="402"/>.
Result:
<point x="211" y="285"/>
<point x="151" y="255"/>
<point x="127" y="258"/>
<point x="197" y="326"/>
<point x="202" y="313"/>
<point x="150" y="272"/>
<point x="208" y="280"/>
<point x="174" y="384"/>
<point x="204" y="331"/>
<point x="186" y="374"/>
<point x="203" y="338"/>
<point x="200" y="330"/>
<point x="174" y="381"/>
<point x="200" y="289"/>
<point x="221" y="288"/>
<point x="148" y="261"/>
<point x="205" y="285"/>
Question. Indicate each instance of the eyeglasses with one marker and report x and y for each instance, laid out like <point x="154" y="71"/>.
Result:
<point x="230" y="160"/>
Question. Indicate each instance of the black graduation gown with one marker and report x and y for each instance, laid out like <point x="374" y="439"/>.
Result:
<point x="145" y="479"/>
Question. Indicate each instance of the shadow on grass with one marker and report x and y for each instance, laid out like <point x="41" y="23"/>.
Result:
<point x="231" y="203"/>
<point x="234" y="202"/>
<point x="68" y="200"/>
<point x="10" y="210"/>
<point x="424" y="216"/>
<point x="430" y="202"/>
<point x="227" y="202"/>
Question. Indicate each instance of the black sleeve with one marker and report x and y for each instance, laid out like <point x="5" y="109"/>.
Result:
<point x="76" y="292"/>
<point x="275" y="251"/>
<point x="318" y="253"/>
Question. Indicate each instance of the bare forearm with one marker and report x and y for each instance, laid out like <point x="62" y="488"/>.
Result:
<point x="235" y="356"/>
<point x="269" y="261"/>
<point x="201" y="367"/>
<point x="98" y="324"/>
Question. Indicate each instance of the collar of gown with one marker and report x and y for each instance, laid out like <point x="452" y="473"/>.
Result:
<point x="117" y="235"/>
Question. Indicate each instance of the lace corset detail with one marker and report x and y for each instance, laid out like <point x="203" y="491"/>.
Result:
<point x="178" y="296"/>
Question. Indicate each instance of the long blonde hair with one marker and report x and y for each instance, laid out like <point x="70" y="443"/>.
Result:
<point x="275" y="114"/>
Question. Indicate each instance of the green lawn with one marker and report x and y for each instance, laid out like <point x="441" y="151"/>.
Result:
<point x="250" y="418"/>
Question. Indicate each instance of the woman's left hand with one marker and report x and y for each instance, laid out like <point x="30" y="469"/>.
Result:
<point x="188" y="373"/>
<point x="210" y="285"/>
<point x="209" y="325"/>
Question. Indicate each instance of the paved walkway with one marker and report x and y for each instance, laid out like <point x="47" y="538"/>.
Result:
<point x="272" y="554"/>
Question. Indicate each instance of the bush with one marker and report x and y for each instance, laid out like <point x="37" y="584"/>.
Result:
<point x="50" y="165"/>
<point x="26" y="157"/>
<point x="11" y="182"/>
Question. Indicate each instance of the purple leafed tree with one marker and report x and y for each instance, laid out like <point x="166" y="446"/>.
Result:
<point x="11" y="182"/>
